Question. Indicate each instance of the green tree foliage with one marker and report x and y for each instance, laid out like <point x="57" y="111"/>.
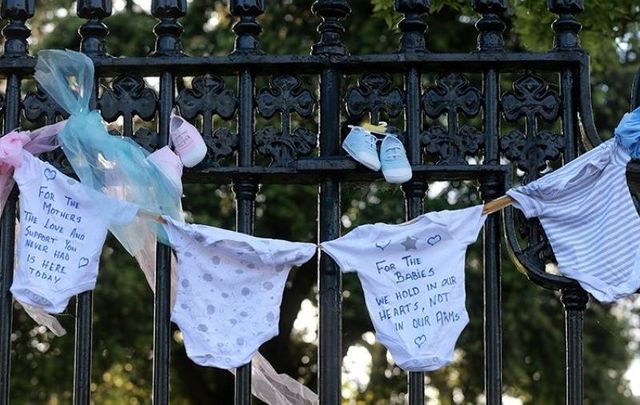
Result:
<point x="533" y="331"/>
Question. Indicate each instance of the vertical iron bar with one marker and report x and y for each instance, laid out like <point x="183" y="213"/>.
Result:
<point x="15" y="46"/>
<point x="93" y="34"/>
<point x="7" y="226"/>
<point x="569" y="129"/>
<point x="414" y="191"/>
<point x="84" y="328"/>
<point x="574" y="378"/>
<point x="162" y="312"/>
<point x="7" y="238"/>
<point x="566" y="28"/>
<point x="83" y="343"/>
<point x="329" y="276"/>
<point x="490" y="39"/>
<point x="168" y="43"/>
<point x="247" y="30"/>
<point x="575" y="302"/>
<point x="491" y="188"/>
<point x="245" y="190"/>
<point x="412" y="41"/>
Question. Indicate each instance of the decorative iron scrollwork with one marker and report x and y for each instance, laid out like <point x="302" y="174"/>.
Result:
<point x="490" y="26"/>
<point x="374" y="93"/>
<point x="412" y="25"/>
<point x="206" y="97"/>
<point x="285" y="95"/>
<point x="94" y="31"/>
<point x="531" y="99"/>
<point x="452" y="147"/>
<point x="37" y="104"/>
<point x="221" y="144"/>
<point x="16" y="31"/>
<point x="565" y="6"/>
<point x="128" y="96"/>
<point x="168" y="30"/>
<point x="452" y="94"/>
<point x="248" y="7"/>
<point x="147" y="138"/>
<point x="330" y="29"/>
<point x="284" y="148"/>
<point x="531" y="153"/>
<point x="566" y="27"/>
<point x="246" y="28"/>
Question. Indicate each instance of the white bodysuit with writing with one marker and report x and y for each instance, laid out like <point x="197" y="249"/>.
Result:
<point x="230" y="289"/>
<point x="412" y="275"/>
<point x="63" y="226"/>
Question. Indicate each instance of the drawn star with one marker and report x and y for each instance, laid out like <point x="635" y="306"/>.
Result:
<point x="409" y="243"/>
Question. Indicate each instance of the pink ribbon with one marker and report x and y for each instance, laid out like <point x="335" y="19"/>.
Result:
<point x="13" y="144"/>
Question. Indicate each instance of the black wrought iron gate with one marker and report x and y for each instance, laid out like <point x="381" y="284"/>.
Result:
<point x="436" y="153"/>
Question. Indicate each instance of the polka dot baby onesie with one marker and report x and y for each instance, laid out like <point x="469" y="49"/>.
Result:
<point x="412" y="275"/>
<point x="230" y="289"/>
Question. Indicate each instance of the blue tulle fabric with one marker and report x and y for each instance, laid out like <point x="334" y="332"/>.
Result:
<point x="114" y="165"/>
<point x="628" y="133"/>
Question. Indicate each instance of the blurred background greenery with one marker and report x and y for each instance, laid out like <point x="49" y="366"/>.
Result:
<point x="533" y="332"/>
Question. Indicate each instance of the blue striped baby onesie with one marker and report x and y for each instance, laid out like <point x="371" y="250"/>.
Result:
<point x="588" y="215"/>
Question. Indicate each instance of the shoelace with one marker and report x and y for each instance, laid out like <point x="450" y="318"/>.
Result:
<point x="371" y="141"/>
<point x="393" y="153"/>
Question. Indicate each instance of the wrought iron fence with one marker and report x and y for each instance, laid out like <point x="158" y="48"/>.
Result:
<point x="283" y="154"/>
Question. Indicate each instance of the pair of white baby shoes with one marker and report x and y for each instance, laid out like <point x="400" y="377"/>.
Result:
<point x="362" y="145"/>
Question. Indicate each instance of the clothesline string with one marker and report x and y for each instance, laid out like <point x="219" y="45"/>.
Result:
<point x="497" y="204"/>
<point x="489" y="208"/>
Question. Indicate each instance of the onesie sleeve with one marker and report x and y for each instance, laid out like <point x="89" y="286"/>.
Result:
<point x="465" y="224"/>
<point x="345" y="250"/>
<point x="178" y="239"/>
<point x="31" y="170"/>
<point x="534" y="198"/>
<point x="291" y="253"/>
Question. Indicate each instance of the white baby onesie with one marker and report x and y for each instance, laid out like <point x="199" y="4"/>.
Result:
<point x="230" y="289"/>
<point x="412" y="275"/>
<point x="587" y="212"/>
<point x="63" y="226"/>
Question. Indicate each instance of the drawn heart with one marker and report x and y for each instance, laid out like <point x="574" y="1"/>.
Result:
<point x="83" y="262"/>
<point x="420" y="340"/>
<point x="434" y="239"/>
<point x="49" y="174"/>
